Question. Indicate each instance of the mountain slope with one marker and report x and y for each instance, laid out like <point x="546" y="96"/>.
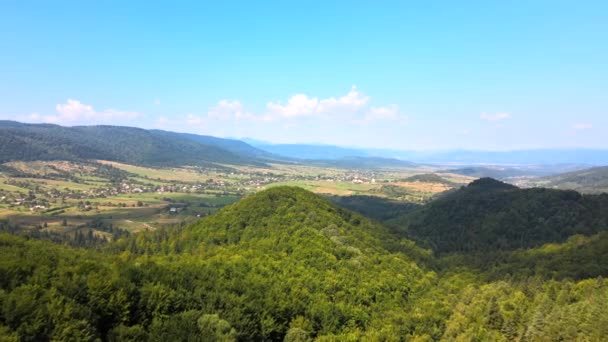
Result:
<point x="295" y="254"/>
<point x="124" y="144"/>
<point x="491" y="215"/>
<point x="593" y="180"/>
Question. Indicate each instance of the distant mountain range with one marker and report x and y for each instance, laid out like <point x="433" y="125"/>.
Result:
<point x="515" y="157"/>
<point x="305" y="151"/>
<point x="20" y="141"/>
<point x="27" y="142"/>
<point x="513" y="172"/>
<point x="361" y="162"/>
<point x="456" y="157"/>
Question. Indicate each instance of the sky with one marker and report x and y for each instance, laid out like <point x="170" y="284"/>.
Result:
<point x="417" y="75"/>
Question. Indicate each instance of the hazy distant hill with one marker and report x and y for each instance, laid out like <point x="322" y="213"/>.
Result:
<point x="518" y="157"/>
<point x="593" y="180"/>
<point x="561" y="159"/>
<point x="362" y="162"/>
<point x="303" y="151"/>
<point x="492" y="172"/>
<point x="20" y="141"/>
<point x="508" y="172"/>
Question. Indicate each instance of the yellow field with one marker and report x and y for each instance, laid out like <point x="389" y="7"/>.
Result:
<point x="165" y="174"/>
<point x="423" y="187"/>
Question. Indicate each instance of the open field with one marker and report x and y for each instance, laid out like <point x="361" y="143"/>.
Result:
<point x="160" y="174"/>
<point x="423" y="187"/>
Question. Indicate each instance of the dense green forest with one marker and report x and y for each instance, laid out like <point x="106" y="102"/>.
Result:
<point x="377" y="208"/>
<point x="489" y="215"/>
<point x="287" y="265"/>
<point x="28" y="142"/>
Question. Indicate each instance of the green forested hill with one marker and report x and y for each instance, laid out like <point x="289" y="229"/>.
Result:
<point x="429" y="178"/>
<point x="123" y="144"/>
<point x="287" y="265"/>
<point x="489" y="215"/>
<point x="280" y="263"/>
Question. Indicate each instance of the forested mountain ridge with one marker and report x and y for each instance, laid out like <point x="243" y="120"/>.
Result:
<point x="27" y="142"/>
<point x="234" y="146"/>
<point x="489" y="215"/>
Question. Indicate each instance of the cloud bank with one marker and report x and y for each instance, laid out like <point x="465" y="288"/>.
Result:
<point x="76" y="112"/>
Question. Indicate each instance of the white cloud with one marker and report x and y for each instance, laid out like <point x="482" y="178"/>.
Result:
<point x="387" y="113"/>
<point x="582" y="126"/>
<point x="494" y="117"/>
<point x="218" y="114"/>
<point x="156" y="102"/>
<point x="192" y="119"/>
<point x="301" y="105"/>
<point x="297" y="105"/>
<point x="228" y="110"/>
<point x="74" y="111"/>
<point x="352" y="101"/>
<point x="353" y="108"/>
<point x="163" y="120"/>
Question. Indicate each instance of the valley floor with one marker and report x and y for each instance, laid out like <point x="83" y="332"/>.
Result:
<point x="106" y="199"/>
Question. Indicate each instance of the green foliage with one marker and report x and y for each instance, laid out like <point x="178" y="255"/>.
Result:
<point x="377" y="208"/>
<point x="287" y="265"/>
<point x="489" y="215"/>
<point x="284" y="260"/>
<point x="580" y="257"/>
<point x="557" y="311"/>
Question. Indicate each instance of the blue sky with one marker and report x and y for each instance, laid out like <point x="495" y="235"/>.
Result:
<point x="489" y="75"/>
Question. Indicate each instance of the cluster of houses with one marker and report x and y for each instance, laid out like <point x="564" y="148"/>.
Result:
<point x="355" y="177"/>
<point x="30" y="201"/>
